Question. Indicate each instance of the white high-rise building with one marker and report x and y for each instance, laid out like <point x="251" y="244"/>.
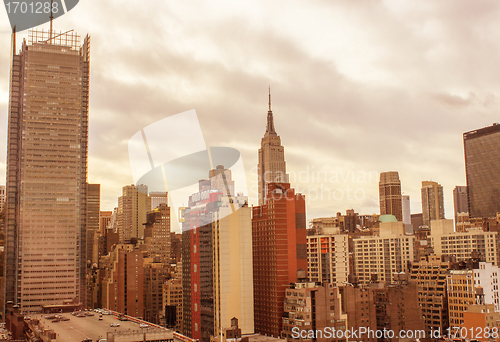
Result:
<point x="488" y="277"/>
<point x="385" y="255"/>
<point x="445" y="241"/>
<point x="328" y="258"/>
<point x="407" y="213"/>
<point x="157" y="198"/>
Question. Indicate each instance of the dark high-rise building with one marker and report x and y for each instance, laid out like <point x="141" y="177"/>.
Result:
<point x="482" y="170"/>
<point x="157" y="233"/>
<point x="432" y="202"/>
<point x="122" y="282"/>
<point x="156" y="274"/>
<point x="417" y="221"/>
<point x="390" y="195"/>
<point x="47" y="171"/>
<point x="460" y="203"/>
<point x="197" y="260"/>
<point x="93" y="214"/>
<point x="279" y="253"/>
<point x="324" y="309"/>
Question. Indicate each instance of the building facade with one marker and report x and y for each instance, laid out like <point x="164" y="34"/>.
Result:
<point x="407" y="214"/>
<point x="172" y="304"/>
<point x="461" y="294"/>
<point x="482" y="166"/>
<point x="197" y="264"/>
<point x="47" y="171"/>
<point x="157" y="233"/>
<point x="133" y="207"/>
<point x="445" y="241"/>
<point x="217" y="273"/>
<point x="430" y="275"/>
<point x="379" y="258"/>
<point x="123" y="280"/>
<point x="432" y="202"/>
<point x="2" y="197"/>
<point x="311" y="307"/>
<point x="378" y="307"/>
<point x="279" y="253"/>
<point x="272" y="165"/>
<point x="93" y="218"/>
<point x="157" y="198"/>
<point x="328" y="258"/>
<point x="460" y="202"/>
<point x="156" y="273"/>
<point x="390" y="195"/>
<point x="233" y="265"/>
<point x="487" y="276"/>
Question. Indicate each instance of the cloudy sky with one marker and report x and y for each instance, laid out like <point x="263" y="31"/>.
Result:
<point x="358" y="87"/>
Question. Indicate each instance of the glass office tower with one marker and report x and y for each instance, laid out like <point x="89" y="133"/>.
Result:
<point x="482" y="169"/>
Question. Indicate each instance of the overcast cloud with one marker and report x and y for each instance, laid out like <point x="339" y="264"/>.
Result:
<point x="358" y="87"/>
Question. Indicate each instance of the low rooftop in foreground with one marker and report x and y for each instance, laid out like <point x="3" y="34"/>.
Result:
<point x="76" y="329"/>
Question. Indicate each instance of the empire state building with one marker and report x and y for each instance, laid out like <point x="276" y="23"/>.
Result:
<point x="272" y="165"/>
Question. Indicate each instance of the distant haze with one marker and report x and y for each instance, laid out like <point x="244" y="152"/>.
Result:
<point x="358" y="87"/>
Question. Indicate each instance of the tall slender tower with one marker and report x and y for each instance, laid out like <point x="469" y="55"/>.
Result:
<point x="432" y="202"/>
<point x="279" y="244"/>
<point x="217" y="268"/>
<point x="133" y="207"/>
<point x="460" y="202"/>
<point x="93" y="213"/>
<point x="47" y="170"/>
<point x="390" y="195"/>
<point x="272" y="165"/>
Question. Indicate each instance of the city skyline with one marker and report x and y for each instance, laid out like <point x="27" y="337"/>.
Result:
<point x="353" y="102"/>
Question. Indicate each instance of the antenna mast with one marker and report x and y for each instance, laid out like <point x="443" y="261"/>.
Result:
<point x="51" y="20"/>
<point x="269" y="97"/>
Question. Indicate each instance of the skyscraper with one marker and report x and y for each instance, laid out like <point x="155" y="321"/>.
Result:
<point x="157" y="198"/>
<point x="279" y="253"/>
<point x="133" y="207"/>
<point x="2" y="197"/>
<point x="406" y="209"/>
<point x="93" y="217"/>
<point x="123" y="280"/>
<point x="217" y="273"/>
<point x="157" y="233"/>
<point x="482" y="169"/>
<point x="47" y="170"/>
<point x="390" y="195"/>
<point x="432" y="202"/>
<point x="460" y="203"/>
<point x="272" y="165"/>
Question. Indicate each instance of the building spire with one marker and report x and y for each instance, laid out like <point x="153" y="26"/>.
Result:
<point x="270" y="120"/>
<point x="269" y="97"/>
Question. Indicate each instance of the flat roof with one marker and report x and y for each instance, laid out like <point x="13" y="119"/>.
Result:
<point x="482" y="131"/>
<point x="79" y="328"/>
